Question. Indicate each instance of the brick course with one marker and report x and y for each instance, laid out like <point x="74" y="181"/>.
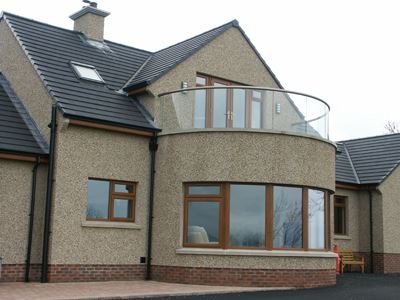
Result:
<point x="66" y="273"/>
<point x="16" y="272"/>
<point x="387" y="263"/>
<point x="245" y="277"/>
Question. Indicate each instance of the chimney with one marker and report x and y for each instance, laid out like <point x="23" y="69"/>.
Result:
<point x="90" y="21"/>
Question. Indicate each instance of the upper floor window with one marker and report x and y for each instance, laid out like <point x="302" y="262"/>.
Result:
<point x="259" y="216"/>
<point x="86" y="72"/>
<point x="110" y="200"/>
<point x="226" y="108"/>
<point x="340" y="215"/>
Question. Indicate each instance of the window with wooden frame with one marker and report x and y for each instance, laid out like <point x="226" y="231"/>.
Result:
<point x="111" y="200"/>
<point x="226" y="108"/>
<point x="255" y="216"/>
<point x="340" y="215"/>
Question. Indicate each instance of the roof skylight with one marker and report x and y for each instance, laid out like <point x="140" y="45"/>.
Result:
<point x="86" y="72"/>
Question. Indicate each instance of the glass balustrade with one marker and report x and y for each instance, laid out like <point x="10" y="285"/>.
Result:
<point x="243" y="108"/>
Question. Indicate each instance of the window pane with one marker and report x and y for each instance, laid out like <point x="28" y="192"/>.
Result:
<point x="203" y="222"/>
<point x="122" y="208"/>
<point x="340" y="220"/>
<point x="123" y="188"/>
<point x="200" y="109"/>
<point x="239" y="108"/>
<point x="204" y="190"/>
<point x="87" y="73"/>
<point x="200" y="80"/>
<point x="247" y="215"/>
<point x="219" y="107"/>
<point x="288" y="228"/>
<point x="255" y="114"/>
<point x="316" y="219"/>
<point x="98" y="194"/>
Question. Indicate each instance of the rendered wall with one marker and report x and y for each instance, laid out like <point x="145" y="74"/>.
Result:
<point x="24" y="79"/>
<point x="390" y="190"/>
<point x="15" y="199"/>
<point x="84" y="153"/>
<point x="233" y="157"/>
<point x="229" y="56"/>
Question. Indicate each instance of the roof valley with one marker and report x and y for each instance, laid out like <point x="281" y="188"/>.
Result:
<point x="138" y="71"/>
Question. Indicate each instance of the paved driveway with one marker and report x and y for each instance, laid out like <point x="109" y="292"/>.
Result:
<point x="349" y="286"/>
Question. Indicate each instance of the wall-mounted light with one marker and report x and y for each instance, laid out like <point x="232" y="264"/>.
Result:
<point x="184" y="85"/>
<point x="277" y="108"/>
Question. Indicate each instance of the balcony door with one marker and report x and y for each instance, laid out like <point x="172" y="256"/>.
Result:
<point x="226" y="108"/>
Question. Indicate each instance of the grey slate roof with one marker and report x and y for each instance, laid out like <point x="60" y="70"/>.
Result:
<point x="18" y="132"/>
<point x="166" y="59"/>
<point x="367" y="160"/>
<point x="51" y="49"/>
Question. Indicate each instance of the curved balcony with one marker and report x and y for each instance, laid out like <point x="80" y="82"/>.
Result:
<point x="244" y="108"/>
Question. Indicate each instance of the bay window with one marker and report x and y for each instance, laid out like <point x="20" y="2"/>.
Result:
<point x="255" y="216"/>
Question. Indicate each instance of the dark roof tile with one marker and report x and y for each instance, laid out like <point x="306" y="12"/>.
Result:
<point x="51" y="50"/>
<point x="373" y="158"/>
<point x="18" y="132"/>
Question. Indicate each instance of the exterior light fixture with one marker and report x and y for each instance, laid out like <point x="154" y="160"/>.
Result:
<point x="277" y="108"/>
<point x="184" y="85"/>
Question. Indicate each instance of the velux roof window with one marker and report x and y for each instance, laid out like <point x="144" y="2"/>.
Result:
<point x="87" y="72"/>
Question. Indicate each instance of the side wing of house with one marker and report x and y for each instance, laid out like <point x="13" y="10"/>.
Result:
<point x="390" y="255"/>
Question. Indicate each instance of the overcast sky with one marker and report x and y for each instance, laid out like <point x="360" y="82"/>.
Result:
<point x="344" y="52"/>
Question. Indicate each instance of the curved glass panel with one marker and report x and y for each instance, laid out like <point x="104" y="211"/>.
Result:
<point x="243" y="107"/>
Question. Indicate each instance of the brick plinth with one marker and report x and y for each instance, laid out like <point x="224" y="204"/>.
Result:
<point x="66" y="273"/>
<point x="16" y="272"/>
<point x="244" y="277"/>
<point x="387" y="263"/>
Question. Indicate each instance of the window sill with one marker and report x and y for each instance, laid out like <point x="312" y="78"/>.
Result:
<point x="105" y="224"/>
<point x="341" y="237"/>
<point x="240" y="252"/>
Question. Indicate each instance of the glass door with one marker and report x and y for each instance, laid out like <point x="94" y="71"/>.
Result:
<point x="220" y="112"/>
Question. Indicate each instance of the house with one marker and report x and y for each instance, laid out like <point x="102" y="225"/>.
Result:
<point x="366" y="202"/>
<point x="191" y="164"/>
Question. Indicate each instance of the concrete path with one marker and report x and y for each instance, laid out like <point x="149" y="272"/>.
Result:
<point x="110" y="290"/>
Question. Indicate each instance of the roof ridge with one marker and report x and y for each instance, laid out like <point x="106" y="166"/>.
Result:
<point x="128" y="46"/>
<point x="231" y="23"/>
<point x="4" y="14"/>
<point x="369" y="137"/>
<point x="351" y="163"/>
<point x="24" y="114"/>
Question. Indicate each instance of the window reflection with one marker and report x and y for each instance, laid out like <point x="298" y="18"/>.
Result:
<point x="288" y="229"/>
<point x="219" y="107"/>
<point x="122" y="208"/>
<point x="239" y="108"/>
<point x="316" y="219"/>
<point x="200" y="109"/>
<point x="98" y="195"/>
<point x="247" y="215"/>
<point x="203" y="222"/>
